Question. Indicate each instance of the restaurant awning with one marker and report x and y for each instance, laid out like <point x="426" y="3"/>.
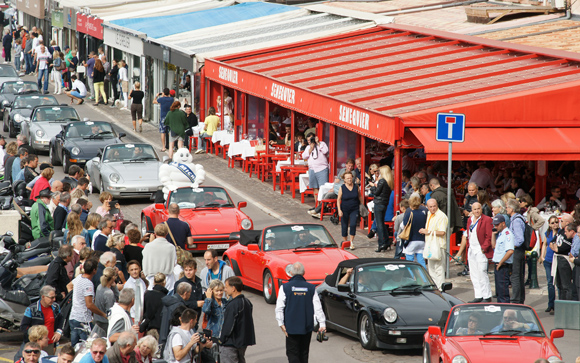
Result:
<point x="541" y="143"/>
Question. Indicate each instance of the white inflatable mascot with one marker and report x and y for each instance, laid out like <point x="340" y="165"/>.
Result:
<point x="181" y="172"/>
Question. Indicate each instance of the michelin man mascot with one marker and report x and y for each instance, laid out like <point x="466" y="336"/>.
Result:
<point x="181" y="172"/>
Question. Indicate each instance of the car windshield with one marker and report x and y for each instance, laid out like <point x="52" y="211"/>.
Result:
<point x="393" y="277"/>
<point x="8" y="71"/>
<point x="55" y="114"/>
<point x="202" y="197"/>
<point x="90" y="130"/>
<point x="18" y="87"/>
<point x="296" y="236"/>
<point x="33" y="101"/>
<point x="129" y="153"/>
<point x="490" y="320"/>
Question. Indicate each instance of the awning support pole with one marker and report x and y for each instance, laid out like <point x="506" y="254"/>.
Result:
<point x="398" y="175"/>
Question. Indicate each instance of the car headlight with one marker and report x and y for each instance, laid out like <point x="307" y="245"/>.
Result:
<point x="17" y="118"/>
<point x="5" y="103"/>
<point x="390" y="315"/>
<point x="288" y="268"/>
<point x="39" y="133"/>
<point x="75" y="151"/>
<point x="114" y="177"/>
<point x="246" y="223"/>
<point x="459" y="359"/>
<point x="553" y="359"/>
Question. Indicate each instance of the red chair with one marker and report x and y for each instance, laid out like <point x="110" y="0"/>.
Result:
<point x="331" y="204"/>
<point x="307" y="192"/>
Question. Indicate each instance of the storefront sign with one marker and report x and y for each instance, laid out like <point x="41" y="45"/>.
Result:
<point x="123" y="41"/>
<point x="31" y="7"/>
<point x="57" y="19"/>
<point x="90" y="25"/>
<point x="69" y="18"/>
<point x="362" y="121"/>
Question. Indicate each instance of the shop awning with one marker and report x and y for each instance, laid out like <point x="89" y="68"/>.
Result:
<point x="540" y="143"/>
<point x="162" y="26"/>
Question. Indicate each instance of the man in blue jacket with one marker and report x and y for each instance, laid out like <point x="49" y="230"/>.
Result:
<point x="296" y="307"/>
<point x="45" y="312"/>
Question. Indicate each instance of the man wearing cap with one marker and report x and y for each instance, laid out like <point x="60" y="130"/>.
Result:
<point x="502" y="242"/>
<point x="269" y="240"/>
<point x="40" y="218"/>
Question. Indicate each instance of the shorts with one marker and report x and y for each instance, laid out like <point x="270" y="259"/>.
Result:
<point x="317" y="179"/>
<point x="136" y="111"/>
<point x="162" y="128"/>
<point x="175" y="138"/>
<point x="76" y="94"/>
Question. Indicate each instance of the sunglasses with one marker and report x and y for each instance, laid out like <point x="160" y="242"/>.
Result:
<point x="51" y="297"/>
<point x="29" y="351"/>
<point x="97" y="352"/>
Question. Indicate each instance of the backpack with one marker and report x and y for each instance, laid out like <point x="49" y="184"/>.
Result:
<point x="530" y="237"/>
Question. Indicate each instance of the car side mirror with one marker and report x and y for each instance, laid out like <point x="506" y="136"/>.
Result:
<point x="343" y="288"/>
<point x="96" y="160"/>
<point x="242" y="205"/>
<point x="159" y="206"/>
<point x="556" y="333"/>
<point x="434" y="330"/>
<point x="345" y="245"/>
<point x="446" y="286"/>
<point x="122" y="134"/>
<point x="253" y="247"/>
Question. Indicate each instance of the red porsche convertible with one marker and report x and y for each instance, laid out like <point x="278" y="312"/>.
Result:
<point x="490" y="332"/>
<point x="210" y="213"/>
<point x="263" y="259"/>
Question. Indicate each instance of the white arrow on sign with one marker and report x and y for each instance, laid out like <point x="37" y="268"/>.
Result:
<point x="450" y="121"/>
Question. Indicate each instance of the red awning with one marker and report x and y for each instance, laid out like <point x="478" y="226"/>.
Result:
<point x="505" y="144"/>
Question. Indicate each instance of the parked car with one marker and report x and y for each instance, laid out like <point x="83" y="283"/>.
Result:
<point x="263" y="258"/>
<point x="8" y="73"/>
<point x="79" y="142"/>
<point x="209" y="211"/>
<point x="9" y="90"/>
<point x="21" y="109"/>
<point x="385" y="303"/>
<point x="488" y="332"/>
<point x="126" y="170"/>
<point x="45" y="122"/>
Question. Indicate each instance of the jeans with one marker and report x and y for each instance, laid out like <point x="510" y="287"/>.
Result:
<point x="419" y="258"/>
<point x="518" y="276"/>
<point x="201" y="140"/>
<point x="298" y="347"/>
<point x="43" y="74"/>
<point x="91" y="86"/>
<point x="17" y="62"/>
<point x="551" y="289"/>
<point x="349" y="217"/>
<point x="78" y="331"/>
<point x="28" y="60"/>
<point x="502" y="283"/>
<point x="57" y="82"/>
<point x="230" y="354"/>
<point x="382" y="230"/>
<point x="398" y="248"/>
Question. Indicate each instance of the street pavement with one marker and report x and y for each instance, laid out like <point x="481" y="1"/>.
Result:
<point x="267" y="207"/>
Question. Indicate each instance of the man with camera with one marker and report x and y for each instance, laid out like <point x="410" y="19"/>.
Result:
<point x="315" y="155"/>
<point x="182" y="343"/>
<point x="296" y="307"/>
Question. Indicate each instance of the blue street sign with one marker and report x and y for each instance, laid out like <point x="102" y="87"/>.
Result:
<point x="450" y="127"/>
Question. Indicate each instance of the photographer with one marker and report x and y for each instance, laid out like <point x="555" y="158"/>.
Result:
<point x="213" y="308"/>
<point x="182" y="342"/>
<point x="315" y="155"/>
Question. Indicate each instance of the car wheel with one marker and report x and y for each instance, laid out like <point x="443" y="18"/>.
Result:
<point x="366" y="332"/>
<point x="11" y="131"/>
<point x="269" y="288"/>
<point x="65" y="163"/>
<point x="227" y="261"/>
<point x="426" y="353"/>
<point x="52" y="156"/>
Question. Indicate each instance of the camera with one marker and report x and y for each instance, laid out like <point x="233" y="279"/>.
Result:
<point x="312" y="140"/>
<point x="494" y="229"/>
<point x="321" y="336"/>
<point x="202" y="339"/>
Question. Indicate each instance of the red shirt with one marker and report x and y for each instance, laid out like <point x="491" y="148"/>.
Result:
<point x="48" y="320"/>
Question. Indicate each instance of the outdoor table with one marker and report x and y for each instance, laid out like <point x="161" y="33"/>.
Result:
<point x="288" y="162"/>
<point x="222" y="136"/>
<point x="303" y="180"/>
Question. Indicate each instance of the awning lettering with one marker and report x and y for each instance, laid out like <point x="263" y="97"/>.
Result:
<point x="228" y="75"/>
<point x="283" y="93"/>
<point x="353" y="117"/>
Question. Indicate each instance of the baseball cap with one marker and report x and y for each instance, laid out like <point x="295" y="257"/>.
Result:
<point x="498" y="219"/>
<point x="270" y="235"/>
<point x="172" y="93"/>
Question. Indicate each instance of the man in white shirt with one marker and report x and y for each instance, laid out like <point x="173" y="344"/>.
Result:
<point x="78" y="90"/>
<point x="2" y="153"/>
<point x="42" y="57"/>
<point x="139" y="284"/>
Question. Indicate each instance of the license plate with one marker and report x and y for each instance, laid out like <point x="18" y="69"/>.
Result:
<point x="221" y="246"/>
<point x="142" y="189"/>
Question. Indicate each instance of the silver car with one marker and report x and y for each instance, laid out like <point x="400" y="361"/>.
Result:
<point x="126" y="170"/>
<point x="8" y="73"/>
<point x="45" y="122"/>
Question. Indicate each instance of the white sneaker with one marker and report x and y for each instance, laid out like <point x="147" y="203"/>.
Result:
<point x="199" y="151"/>
<point x="312" y="212"/>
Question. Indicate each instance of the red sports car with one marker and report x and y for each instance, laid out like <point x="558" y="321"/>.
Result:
<point x="263" y="258"/>
<point x="490" y="333"/>
<point x="210" y="213"/>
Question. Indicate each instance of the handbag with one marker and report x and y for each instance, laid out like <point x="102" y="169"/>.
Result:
<point x="406" y="233"/>
<point x="363" y="211"/>
<point x="182" y="255"/>
<point x="432" y="250"/>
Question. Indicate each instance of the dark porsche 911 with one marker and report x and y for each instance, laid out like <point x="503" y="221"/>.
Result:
<point x="385" y="303"/>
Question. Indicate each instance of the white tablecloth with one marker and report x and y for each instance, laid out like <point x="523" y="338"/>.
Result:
<point x="197" y="129"/>
<point x="236" y="148"/>
<point x="303" y="182"/>
<point x="222" y="136"/>
<point x="287" y="162"/>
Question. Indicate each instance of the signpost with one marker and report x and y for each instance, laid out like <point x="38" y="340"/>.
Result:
<point x="450" y="128"/>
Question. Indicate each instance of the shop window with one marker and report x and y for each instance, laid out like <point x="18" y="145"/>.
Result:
<point x="256" y="109"/>
<point x="345" y="146"/>
<point x="136" y="74"/>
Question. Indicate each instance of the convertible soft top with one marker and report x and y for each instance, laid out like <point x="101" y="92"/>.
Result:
<point x="250" y="236"/>
<point x="331" y="279"/>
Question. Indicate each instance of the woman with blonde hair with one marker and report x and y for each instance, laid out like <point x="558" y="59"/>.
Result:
<point x="104" y="296"/>
<point x="116" y="243"/>
<point x="84" y="254"/>
<point x="382" y="191"/>
<point x="137" y="106"/>
<point x="414" y="246"/>
<point x="57" y="66"/>
<point x="74" y="227"/>
<point x="146" y="349"/>
<point x="39" y="334"/>
<point x="91" y="224"/>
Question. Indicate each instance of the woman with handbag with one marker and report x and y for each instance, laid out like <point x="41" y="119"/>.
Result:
<point x="414" y="220"/>
<point x="348" y="202"/>
<point x="59" y="65"/>
<point x="382" y="192"/>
